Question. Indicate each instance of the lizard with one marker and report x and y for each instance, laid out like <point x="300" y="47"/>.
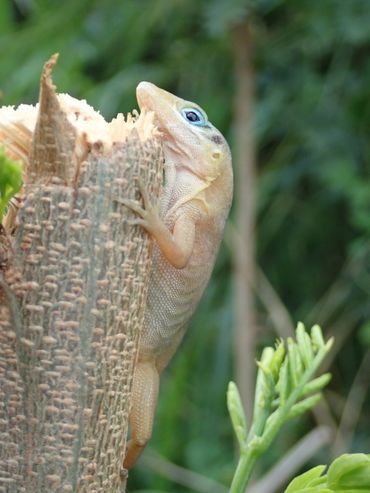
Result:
<point x="187" y="225"/>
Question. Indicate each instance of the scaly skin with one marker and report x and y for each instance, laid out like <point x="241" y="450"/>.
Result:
<point x="188" y="226"/>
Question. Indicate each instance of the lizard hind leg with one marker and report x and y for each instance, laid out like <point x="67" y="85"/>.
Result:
<point x="144" y="394"/>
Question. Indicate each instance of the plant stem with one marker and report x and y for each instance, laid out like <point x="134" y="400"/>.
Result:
<point x="243" y="472"/>
<point x="250" y="454"/>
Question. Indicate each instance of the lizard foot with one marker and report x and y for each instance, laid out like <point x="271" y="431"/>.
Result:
<point x="148" y="215"/>
<point x="176" y="245"/>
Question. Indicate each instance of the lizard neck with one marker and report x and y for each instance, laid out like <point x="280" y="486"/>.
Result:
<point x="183" y="188"/>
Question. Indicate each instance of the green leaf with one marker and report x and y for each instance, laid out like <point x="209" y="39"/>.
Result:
<point x="237" y="414"/>
<point x="304" y="344"/>
<point x="10" y="180"/>
<point x="264" y="383"/>
<point x="270" y="414"/>
<point x="277" y="359"/>
<point x="284" y="382"/>
<point x="315" y="489"/>
<point x="350" y="471"/>
<point x="304" y="406"/>
<point x="267" y="381"/>
<point x="317" y="384"/>
<point x="364" y="333"/>
<point x="305" y="479"/>
<point x="317" y="337"/>
<point x="295" y="363"/>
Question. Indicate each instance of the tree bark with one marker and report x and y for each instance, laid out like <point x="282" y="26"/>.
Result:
<point x="72" y="305"/>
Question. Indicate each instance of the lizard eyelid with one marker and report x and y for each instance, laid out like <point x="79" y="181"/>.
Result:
<point x="194" y="116"/>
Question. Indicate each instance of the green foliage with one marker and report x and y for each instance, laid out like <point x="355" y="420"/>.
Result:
<point x="284" y="379"/>
<point x="10" y="180"/>
<point x="364" y="333"/>
<point x="310" y="479"/>
<point x="349" y="473"/>
<point x="312" y="126"/>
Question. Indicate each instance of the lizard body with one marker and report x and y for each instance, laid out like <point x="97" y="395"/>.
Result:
<point x="187" y="226"/>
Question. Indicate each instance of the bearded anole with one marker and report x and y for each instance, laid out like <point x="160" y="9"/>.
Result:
<point x="187" y="226"/>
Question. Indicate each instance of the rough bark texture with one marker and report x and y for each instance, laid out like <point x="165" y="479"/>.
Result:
<point x="72" y="306"/>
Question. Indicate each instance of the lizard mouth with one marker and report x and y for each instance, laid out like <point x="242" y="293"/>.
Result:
<point x="148" y="95"/>
<point x="152" y="98"/>
<point x="142" y="90"/>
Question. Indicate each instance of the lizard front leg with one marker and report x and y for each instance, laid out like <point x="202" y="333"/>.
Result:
<point x="144" y="396"/>
<point x="176" y="246"/>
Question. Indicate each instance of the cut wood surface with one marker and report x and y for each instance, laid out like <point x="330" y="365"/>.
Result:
<point x="73" y="290"/>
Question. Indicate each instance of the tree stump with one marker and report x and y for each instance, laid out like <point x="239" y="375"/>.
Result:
<point x="73" y="285"/>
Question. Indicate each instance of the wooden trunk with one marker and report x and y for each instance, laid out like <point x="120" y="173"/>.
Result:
<point x="73" y="288"/>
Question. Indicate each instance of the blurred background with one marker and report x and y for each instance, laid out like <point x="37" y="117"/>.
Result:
<point x="288" y="84"/>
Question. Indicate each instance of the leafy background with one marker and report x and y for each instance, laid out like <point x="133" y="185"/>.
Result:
<point x="311" y="126"/>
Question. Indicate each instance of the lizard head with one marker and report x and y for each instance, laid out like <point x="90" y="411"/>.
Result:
<point x="190" y="141"/>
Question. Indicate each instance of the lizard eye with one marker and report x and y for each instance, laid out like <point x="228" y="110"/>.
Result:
<point x="194" y="116"/>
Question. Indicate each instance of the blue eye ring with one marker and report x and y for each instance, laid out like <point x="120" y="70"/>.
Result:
<point x="194" y="116"/>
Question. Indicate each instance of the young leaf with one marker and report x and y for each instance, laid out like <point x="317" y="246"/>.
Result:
<point x="304" y="345"/>
<point x="320" y="489"/>
<point x="297" y="368"/>
<point x="10" y="180"/>
<point x="277" y="360"/>
<point x="317" y="384"/>
<point x="350" y="471"/>
<point x="304" y="480"/>
<point x="317" y="337"/>
<point x="295" y="363"/>
<point x="304" y="406"/>
<point x="264" y="380"/>
<point x="284" y="383"/>
<point x="237" y="414"/>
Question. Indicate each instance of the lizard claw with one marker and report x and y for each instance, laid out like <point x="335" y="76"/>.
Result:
<point x="148" y="215"/>
<point x="134" y="206"/>
<point x="144" y="195"/>
<point x="137" y="222"/>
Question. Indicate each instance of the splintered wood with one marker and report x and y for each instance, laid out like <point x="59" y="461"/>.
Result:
<point x="73" y="291"/>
